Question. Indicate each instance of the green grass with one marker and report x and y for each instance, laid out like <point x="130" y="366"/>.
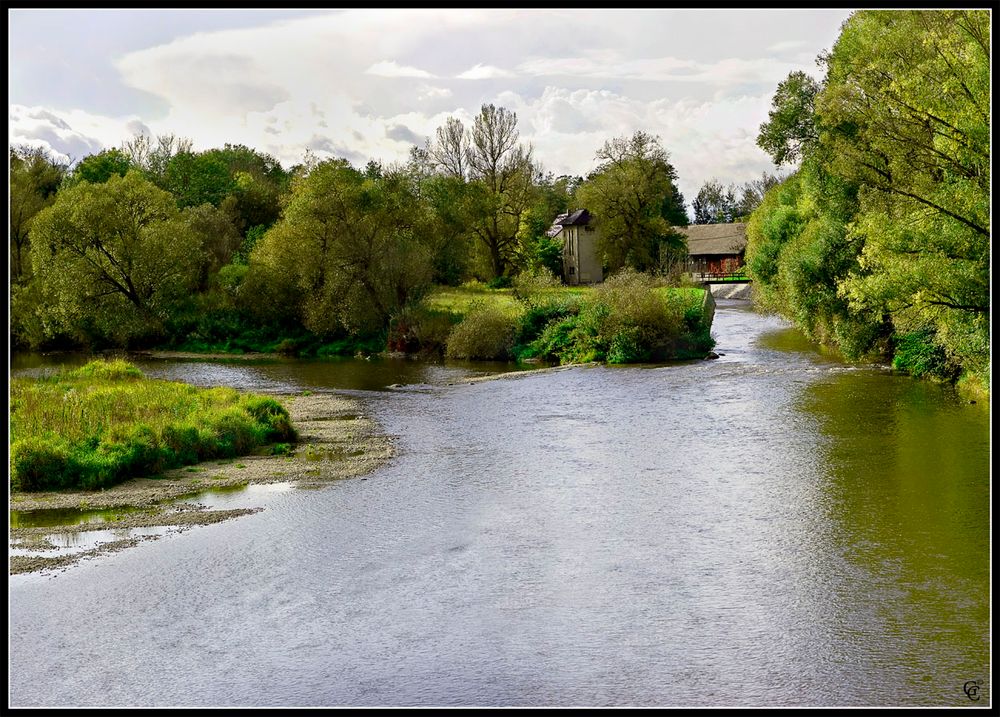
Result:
<point x="104" y="423"/>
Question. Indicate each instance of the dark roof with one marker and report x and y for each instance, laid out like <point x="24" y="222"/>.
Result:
<point x="716" y="238"/>
<point x="579" y="217"/>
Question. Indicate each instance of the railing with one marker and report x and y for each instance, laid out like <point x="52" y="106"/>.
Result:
<point x="718" y="277"/>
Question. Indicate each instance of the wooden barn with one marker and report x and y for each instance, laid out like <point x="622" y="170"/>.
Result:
<point x="715" y="249"/>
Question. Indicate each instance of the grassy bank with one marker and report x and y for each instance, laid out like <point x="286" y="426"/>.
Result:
<point x="105" y="422"/>
<point x="628" y="319"/>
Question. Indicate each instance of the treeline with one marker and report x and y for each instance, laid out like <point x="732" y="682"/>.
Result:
<point x="879" y="244"/>
<point x="155" y="244"/>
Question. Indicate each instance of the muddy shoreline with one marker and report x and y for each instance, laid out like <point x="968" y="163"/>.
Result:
<point x="336" y="441"/>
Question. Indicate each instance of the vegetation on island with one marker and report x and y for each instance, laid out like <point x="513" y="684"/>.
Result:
<point x="879" y="243"/>
<point x="105" y="422"/>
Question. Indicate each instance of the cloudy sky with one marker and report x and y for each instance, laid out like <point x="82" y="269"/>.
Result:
<point x="364" y="84"/>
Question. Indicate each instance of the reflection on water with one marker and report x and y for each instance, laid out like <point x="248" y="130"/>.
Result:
<point x="283" y="374"/>
<point x="770" y="528"/>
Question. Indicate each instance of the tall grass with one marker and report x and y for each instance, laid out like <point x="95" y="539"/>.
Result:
<point x="104" y="423"/>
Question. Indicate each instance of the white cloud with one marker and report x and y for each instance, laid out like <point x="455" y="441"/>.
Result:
<point x="429" y="92"/>
<point x="68" y="136"/>
<point x="389" y="68"/>
<point x="484" y="72"/>
<point x="312" y="82"/>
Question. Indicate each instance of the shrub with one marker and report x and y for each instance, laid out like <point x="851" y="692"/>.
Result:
<point x="488" y="331"/>
<point x="918" y="354"/>
<point x="38" y="464"/>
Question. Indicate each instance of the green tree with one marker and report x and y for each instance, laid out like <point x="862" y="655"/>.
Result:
<point x="34" y="179"/>
<point x="499" y="172"/>
<point x="99" y="168"/>
<point x="909" y="121"/>
<point x="112" y="258"/>
<point x="627" y="194"/>
<point x="790" y="130"/>
<point x="196" y="179"/>
<point x="714" y="204"/>
<point x="351" y="248"/>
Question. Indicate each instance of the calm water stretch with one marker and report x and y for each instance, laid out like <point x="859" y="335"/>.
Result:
<point x="770" y="528"/>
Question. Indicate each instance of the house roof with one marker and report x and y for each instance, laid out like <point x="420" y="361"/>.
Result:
<point x="716" y="238"/>
<point x="579" y="217"/>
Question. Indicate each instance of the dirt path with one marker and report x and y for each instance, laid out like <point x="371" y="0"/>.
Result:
<point x="336" y="441"/>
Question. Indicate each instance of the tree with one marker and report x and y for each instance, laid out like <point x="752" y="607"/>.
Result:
<point x="351" y="249"/>
<point x="627" y="194"/>
<point x="499" y="172"/>
<point x="196" y="179"/>
<point x="112" y="258"/>
<point x="152" y="158"/>
<point x="714" y="204"/>
<point x="34" y="180"/>
<point x="218" y="236"/>
<point x="909" y="121"/>
<point x="791" y="128"/>
<point x="99" y="168"/>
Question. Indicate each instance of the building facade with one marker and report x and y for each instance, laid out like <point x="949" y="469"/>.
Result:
<point x="581" y="264"/>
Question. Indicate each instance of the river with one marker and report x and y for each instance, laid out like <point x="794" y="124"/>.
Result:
<point x="772" y="528"/>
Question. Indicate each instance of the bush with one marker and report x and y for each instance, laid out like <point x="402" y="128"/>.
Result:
<point x="918" y="354"/>
<point x="38" y="464"/>
<point x="500" y="282"/>
<point x="488" y="331"/>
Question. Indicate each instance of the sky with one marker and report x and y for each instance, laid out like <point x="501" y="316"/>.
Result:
<point x="369" y="84"/>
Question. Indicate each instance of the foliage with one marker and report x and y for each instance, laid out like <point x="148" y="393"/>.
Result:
<point x="716" y="204"/>
<point x="627" y="194"/>
<point x="628" y="319"/>
<point x="112" y="260"/>
<point x="498" y="171"/>
<point x="487" y="332"/>
<point x="105" y="423"/>
<point x="34" y="179"/>
<point x="99" y="168"/>
<point x="790" y="130"/>
<point x="880" y="243"/>
<point x="349" y="253"/>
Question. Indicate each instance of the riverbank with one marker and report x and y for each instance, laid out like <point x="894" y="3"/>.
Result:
<point x="336" y="441"/>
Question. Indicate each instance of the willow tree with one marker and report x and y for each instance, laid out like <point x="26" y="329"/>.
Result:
<point x="906" y="115"/>
<point x="112" y="259"/>
<point x="349" y="253"/>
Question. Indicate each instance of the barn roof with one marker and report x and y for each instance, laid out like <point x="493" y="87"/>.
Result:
<point x="716" y="238"/>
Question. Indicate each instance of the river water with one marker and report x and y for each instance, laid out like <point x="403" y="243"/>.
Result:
<point x="769" y="528"/>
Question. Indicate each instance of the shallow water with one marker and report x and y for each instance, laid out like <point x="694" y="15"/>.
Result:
<point x="770" y="528"/>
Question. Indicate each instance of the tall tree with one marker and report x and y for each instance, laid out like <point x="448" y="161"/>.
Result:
<point x="99" y="168"/>
<point x="499" y="171"/>
<point x="790" y="130"/>
<point x="714" y="204"/>
<point x="627" y="194"/>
